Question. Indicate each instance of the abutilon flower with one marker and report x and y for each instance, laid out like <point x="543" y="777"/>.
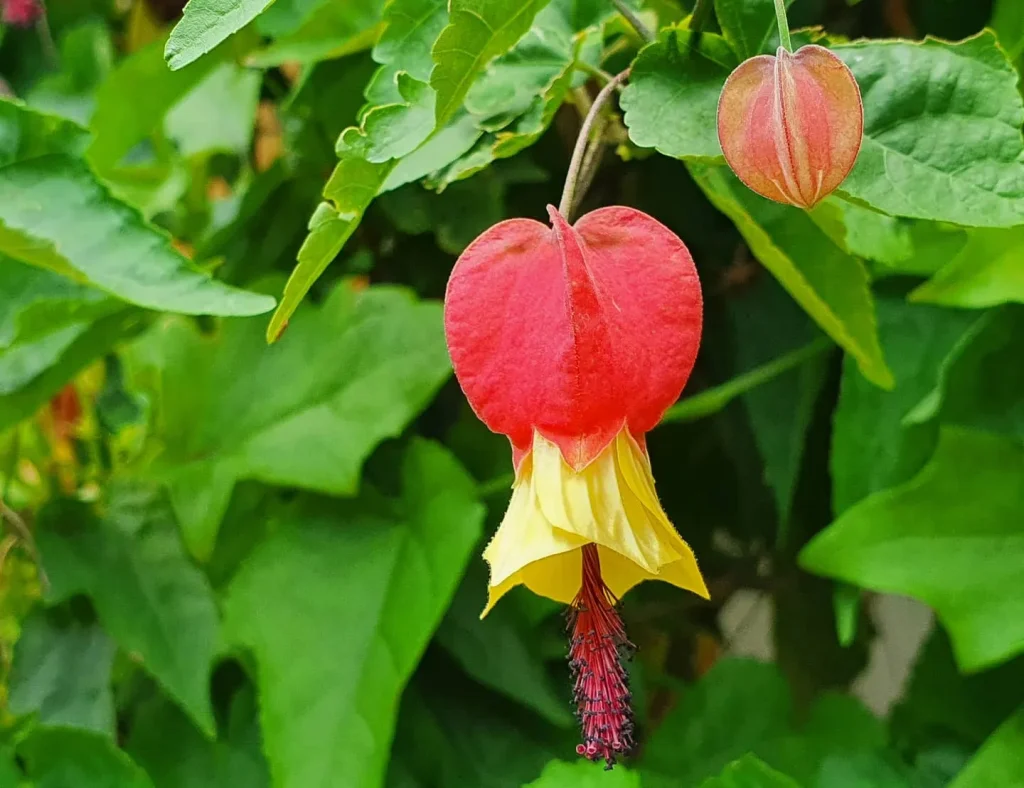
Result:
<point x="20" y="13"/>
<point x="573" y="341"/>
<point x="791" y="125"/>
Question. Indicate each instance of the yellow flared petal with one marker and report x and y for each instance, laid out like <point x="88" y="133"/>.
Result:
<point x="612" y="503"/>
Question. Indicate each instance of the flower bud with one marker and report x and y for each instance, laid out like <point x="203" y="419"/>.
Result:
<point x="791" y="125"/>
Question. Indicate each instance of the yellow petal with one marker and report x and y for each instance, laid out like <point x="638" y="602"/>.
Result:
<point x="612" y="503"/>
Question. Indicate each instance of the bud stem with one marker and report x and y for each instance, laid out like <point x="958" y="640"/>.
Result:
<point x="569" y="199"/>
<point x="780" y="15"/>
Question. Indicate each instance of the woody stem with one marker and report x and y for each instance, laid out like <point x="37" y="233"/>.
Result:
<point x="780" y="15"/>
<point x="569" y="198"/>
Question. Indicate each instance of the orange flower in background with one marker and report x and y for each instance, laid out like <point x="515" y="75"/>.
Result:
<point x="573" y="341"/>
<point x="791" y="125"/>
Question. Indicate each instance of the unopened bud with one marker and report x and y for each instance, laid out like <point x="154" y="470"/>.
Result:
<point x="791" y="125"/>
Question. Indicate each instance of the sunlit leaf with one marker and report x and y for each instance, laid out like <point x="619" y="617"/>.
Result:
<point x="204" y="24"/>
<point x="64" y="757"/>
<point x="960" y="97"/>
<point x="926" y="539"/>
<point x="374" y="582"/>
<point x="356" y="370"/>
<point x="477" y="32"/>
<point x="61" y="674"/>
<point x="147" y="594"/>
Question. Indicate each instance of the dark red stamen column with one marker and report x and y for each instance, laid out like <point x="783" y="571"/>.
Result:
<point x="597" y="647"/>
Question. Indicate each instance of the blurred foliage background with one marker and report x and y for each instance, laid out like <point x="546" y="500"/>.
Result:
<point x="227" y="563"/>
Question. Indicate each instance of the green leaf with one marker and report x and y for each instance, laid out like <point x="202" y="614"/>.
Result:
<point x="671" y="102"/>
<point x="204" y="24"/>
<point x="477" y="32"/>
<point x="10" y="774"/>
<point x="984" y="385"/>
<point x="452" y="734"/>
<point x="517" y="96"/>
<point x="54" y="213"/>
<point x="64" y="757"/>
<point x="86" y="57"/>
<point x="42" y="316"/>
<point x="53" y="363"/>
<point x="132" y="101"/>
<point x="332" y="30"/>
<point x="770" y="325"/>
<point x="1000" y="762"/>
<point x="404" y="46"/>
<point x="988" y="271"/>
<point x="26" y="134"/>
<point x="176" y="755"/>
<point x="514" y="81"/>
<point x="950" y="537"/>
<point x="584" y="774"/>
<point x="330" y="678"/>
<point x="229" y="93"/>
<point x="719" y="720"/>
<point x="62" y="675"/>
<point x="38" y="302"/>
<point x="747" y="24"/>
<point x="358" y="369"/>
<point x="866" y="233"/>
<point x="873" y="445"/>
<point x="749" y="772"/>
<point x="356" y="180"/>
<point x="353" y="185"/>
<point x="1008" y="24"/>
<point x="964" y="97"/>
<point x="861" y="770"/>
<point x="829" y="284"/>
<point x="147" y="595"/>
<point x="499" y="651"/>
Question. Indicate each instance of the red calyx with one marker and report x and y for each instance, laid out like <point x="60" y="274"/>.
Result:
<point x="574" y="331"/>
<point x="597" y="647"/>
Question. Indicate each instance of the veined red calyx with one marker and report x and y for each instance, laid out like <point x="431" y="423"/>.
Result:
<point x="573" y="332"/>
<point x="791" y="125"/>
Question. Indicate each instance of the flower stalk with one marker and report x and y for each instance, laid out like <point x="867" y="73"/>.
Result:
<point x="780" y="16"/>
<point x="572" y="178"/>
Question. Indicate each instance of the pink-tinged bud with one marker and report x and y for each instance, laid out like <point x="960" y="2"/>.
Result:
<point x="20" y="13"/>
<point x="791" y="125"/>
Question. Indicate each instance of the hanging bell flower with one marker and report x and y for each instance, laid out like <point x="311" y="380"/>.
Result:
<point x="573" y="341"/>
<point x="791" y="125"/>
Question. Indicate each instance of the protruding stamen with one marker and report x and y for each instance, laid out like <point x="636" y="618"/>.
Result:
<point x="597" y="647"/>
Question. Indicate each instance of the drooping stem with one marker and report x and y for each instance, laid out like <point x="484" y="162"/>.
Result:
<point x="592" y="157"/>
<point x="780" y="15"/>
<point x="569" y="198"/>
<point x="634" y="20"/>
